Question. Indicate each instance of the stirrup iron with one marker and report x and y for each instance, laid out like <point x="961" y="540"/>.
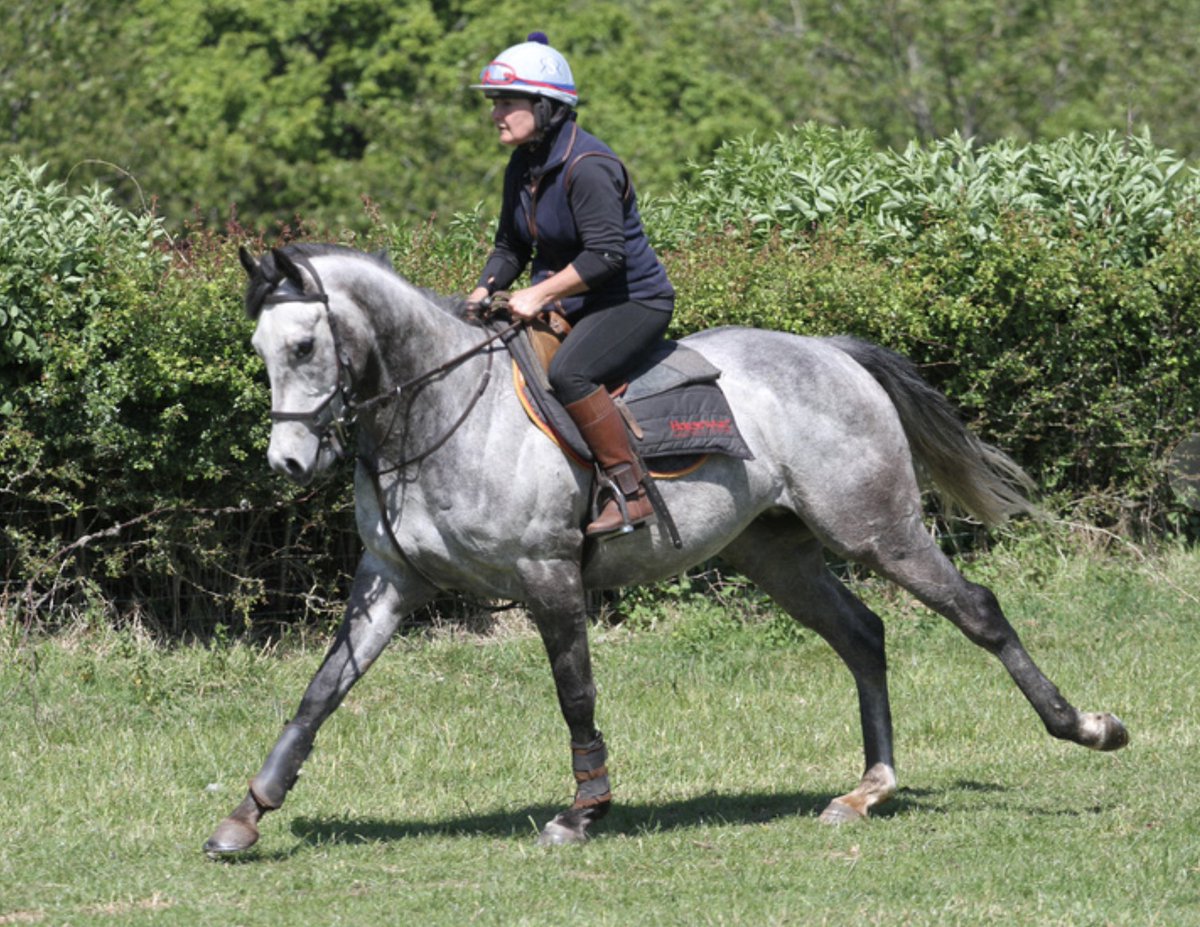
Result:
<point x="604" y="486"/>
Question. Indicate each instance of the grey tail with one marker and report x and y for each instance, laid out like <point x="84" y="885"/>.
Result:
<point x="965" y="471"/>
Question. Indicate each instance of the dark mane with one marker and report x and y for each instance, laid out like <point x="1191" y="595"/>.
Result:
<point x="268" y="276"/>
<point x="453" y="305"/>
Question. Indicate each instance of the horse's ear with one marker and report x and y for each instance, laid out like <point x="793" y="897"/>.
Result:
<point x="249" y="261"/>
<point x="292" y="270"/>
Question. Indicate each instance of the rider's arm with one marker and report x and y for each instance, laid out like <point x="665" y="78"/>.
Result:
<point x="509" y="254"/>
<point x="596" y="198"/>
<point x="527" y="303"/>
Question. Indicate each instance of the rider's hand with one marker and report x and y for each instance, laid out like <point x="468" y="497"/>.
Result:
<point x="478" y="306"/>
<point x="498" y="304"/>
<point x="525" y="304"/>
<point x="483" y="306"/>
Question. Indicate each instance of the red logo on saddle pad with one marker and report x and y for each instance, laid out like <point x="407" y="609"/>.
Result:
<point x="720" y="426"/>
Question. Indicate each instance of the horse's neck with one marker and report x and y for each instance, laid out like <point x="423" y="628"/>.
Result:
<point x="406" y="332"/>
<point x="408" y="339"/>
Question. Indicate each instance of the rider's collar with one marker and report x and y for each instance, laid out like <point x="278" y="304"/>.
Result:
<point x="554" y="151"/>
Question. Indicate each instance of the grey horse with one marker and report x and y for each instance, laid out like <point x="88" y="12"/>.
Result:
<point x="455" y="490"/>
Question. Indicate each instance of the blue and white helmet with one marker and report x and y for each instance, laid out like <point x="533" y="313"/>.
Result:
<point x="533" y="69"/>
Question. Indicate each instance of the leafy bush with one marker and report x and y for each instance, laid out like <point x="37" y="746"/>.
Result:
<point x="1049" y="289"/>
<point x="52" y="250"/>
<point x="1120" y="188"/>
<point x="131" y="453"/>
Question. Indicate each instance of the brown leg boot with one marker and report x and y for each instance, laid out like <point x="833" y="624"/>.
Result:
<point x="603" y="428"/>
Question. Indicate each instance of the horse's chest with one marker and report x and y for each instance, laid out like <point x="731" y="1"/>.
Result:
<point x="466" y="535"/>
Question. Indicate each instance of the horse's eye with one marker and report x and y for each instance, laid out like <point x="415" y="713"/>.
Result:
<point x="304" y="349"/>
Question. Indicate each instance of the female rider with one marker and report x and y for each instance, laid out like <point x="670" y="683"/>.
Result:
<point x="569" y="206"/>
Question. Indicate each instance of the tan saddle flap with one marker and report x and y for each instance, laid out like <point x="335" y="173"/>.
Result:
<point x="546" y="333"/>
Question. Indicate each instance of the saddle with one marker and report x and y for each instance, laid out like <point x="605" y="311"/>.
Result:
<point x="675" y="409"/>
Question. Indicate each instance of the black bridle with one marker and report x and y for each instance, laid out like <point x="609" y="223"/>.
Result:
<point x="334" y="429"/>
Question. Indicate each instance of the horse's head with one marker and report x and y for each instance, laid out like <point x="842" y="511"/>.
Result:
<point x="307" y="363"/>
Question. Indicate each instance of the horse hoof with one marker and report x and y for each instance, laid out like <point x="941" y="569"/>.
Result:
<point x="1103" y="731"/>
<point x="838" y="812"/>
<point x="557" y="833"/>
<point x="231" y="836"/>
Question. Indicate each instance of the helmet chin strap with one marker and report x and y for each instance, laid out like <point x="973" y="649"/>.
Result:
<point x="548" y="117"/>
<point x="549" y="114"/>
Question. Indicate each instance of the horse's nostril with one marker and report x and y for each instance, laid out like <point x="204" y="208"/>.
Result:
<point x="291" y="467"/>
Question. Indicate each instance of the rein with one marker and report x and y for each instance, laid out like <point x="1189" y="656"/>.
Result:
<point x="420" y="381"/>
<point x="436" y="372"/>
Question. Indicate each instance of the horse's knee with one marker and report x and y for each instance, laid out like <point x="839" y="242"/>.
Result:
<point x="578" y="704"/>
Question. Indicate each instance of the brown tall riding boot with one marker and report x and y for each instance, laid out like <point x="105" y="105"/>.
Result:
<point x="603" y="428"/>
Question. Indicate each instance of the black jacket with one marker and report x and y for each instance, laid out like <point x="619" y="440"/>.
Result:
<point x="570" y="201"/>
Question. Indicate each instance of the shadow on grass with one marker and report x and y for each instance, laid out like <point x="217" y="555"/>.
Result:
<point x="714" y="808"/>
<point x="624" y="819"/>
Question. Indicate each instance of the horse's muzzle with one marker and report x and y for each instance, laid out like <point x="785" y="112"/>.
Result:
<point x="298" y="454"/>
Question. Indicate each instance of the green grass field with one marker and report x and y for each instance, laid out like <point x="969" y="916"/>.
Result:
<point x="726" y="736"/>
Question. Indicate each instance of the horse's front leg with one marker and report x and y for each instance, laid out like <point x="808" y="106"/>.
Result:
<point x="555" y="596"/>
<point x="380" y="597"/>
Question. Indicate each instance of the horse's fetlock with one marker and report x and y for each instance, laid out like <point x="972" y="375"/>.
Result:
<point x="282" y="767"/>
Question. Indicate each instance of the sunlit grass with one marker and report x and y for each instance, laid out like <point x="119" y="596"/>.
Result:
<point x="421" y="801"/>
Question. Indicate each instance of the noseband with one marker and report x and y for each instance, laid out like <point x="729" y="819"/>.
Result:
<point x="334" y="429"/>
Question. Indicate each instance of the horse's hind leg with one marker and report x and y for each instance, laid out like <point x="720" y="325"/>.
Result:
<point x="783" y="558"/>
<point x="910" y="558"/>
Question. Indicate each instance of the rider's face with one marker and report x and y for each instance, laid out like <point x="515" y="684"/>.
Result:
<point x="513" y="117"/>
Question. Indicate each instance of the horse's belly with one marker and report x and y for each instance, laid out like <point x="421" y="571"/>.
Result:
<point x="710" y="509"/>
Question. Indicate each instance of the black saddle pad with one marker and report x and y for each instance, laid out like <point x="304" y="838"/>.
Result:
<point x="674" y="397"/>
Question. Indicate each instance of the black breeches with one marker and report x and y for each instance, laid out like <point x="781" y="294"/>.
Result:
<point x="603" y="347"/>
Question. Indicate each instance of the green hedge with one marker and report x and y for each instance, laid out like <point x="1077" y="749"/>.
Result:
<point x="1053" y="291"/>
<point x="131" y="458"/>
<point x="1050" y="290"/>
